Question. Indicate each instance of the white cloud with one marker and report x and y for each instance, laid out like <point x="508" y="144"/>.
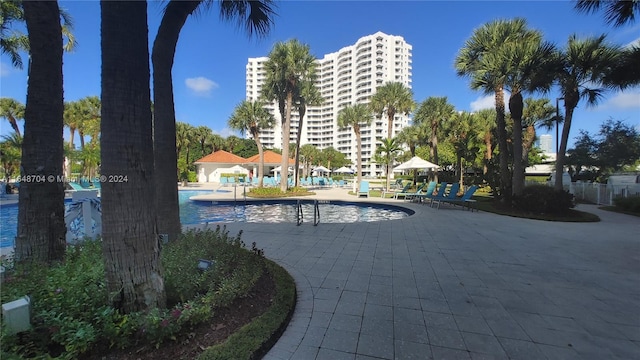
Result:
<point x="624" y="100"/>
<point x="201" y="85"/>
<point x="226" y="132"/>
<point x="488" y="102"/>
<point x="635" y="42"/>
<point x="5" y="69"/>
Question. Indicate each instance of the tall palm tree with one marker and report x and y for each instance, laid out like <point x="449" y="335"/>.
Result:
<point x="432" y="114"/>
<point x="41" y="227"/>
<point x="309" y="95"/>
<point x="310" y="154"/>
<point x="71" y="121"/>
<point x="392" y="98"/>
<point x="529" y="67"/>
<point x="289" y="64"/>
<point x="583" y="73"/>
<point x="356" y="116"/>
<point x="255" y="16"/>
<point x="130" y="240"/>
<point x="12" y="110"/>
<point x="387" y="152"/>
<point x="486" y="124"/>
<point x="201" y="135"/>
<point x="617" y="12"/>
<point x="89" y="108"/>
<point x="252" y="117"/>
<point x="481" y="60"/>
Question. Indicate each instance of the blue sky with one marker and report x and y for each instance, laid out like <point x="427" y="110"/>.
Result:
<point x="209" y="69"/>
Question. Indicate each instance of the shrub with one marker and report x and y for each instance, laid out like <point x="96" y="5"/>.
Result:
<point x="543" y="199"/>
<point x="266" y="192"/>
<point x="71" y="313"/>
<point x="631" y="204"/>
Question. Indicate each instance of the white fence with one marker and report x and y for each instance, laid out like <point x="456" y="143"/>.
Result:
<point x="600" y="194"/>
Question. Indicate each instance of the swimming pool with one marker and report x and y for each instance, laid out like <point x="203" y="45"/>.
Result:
<point x="257" y="211"/>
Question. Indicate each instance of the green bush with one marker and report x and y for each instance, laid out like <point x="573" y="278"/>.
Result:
<point x="631" y="204"/>
<point x="266" y="192"/>
<point x="71" y="313"/>
<point x="543" y="199"/>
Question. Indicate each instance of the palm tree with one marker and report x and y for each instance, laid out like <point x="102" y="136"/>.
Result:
<point x="392" y="98"/>
<point x="255" y="16"/>
<point x="617" y="12"/>
<point x="310" y="154"/>
<point x="356" y="116"/>
<point x="433" y="113"/>
<point x="537" y="113"/>
<point x="71" y="121"/>
<point x="412" y="136"/>
<point x="309" y="95"/>
<point x="481" y="60"/>
<point x="10" y="154"/>
<point x="252" y="117"/>
<point x="129" y="237"/>
<point x="12" y="110"/>
<point x="289" y="64"/>
<point x="41" y="226"/>
<point x="12" y="42"/>
<point x="462" y="134"/>
<point x="486" y="124"/>
<point x="387" y="152"/>
<point x="583" y="73"/>
<point x="89" y="123"/>
<point x="528" y="66"/>
<point x="201" y="135"/>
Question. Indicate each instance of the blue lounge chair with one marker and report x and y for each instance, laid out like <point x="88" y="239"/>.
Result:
<point x="465" y="200"/>
<point x="428" y="193"/>
<point x="452" y="194"/>
<point x="411" y="195"/>
<point x="364" y="189"/>
<point x="403" y="192"/>
<point x="224" y="181"/>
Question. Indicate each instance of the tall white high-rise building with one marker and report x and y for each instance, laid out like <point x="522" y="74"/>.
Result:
<point x="545" y="143"/>
<point x="346" y="77"/>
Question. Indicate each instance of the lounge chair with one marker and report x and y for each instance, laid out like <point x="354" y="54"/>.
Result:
<point x="403" y="192"/>
<point x="364" y="189"/>
<point x="451" y="195"/>
<point x="410" y="196"/>
<point x="428" y="193"/>
<point x="224" y="181"/>
<point x="465" y="200"/>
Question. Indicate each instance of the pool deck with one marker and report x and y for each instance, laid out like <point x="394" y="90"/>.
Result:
<point x="455" y="284"/>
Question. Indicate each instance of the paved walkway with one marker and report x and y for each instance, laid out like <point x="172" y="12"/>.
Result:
<point x="452" y="284"/>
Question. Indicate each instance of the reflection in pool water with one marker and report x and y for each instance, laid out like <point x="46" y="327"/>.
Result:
<point x="268" y="211"/>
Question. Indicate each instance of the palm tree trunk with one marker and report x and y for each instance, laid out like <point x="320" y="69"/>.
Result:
<point x="256" y="137"/>
<point x="41" y="227"/>
<point x="390" y="115"/>
<point x="527" y="143"/>
<point x="14" y="124"/>
<point x="130" y="240"/>
<point x="515" y="107"/>
<point x="359" y="157"/>
<point x="434" y="150"/>
<point x="489" y="153"/>
<point x="301" y="111"/>
<point x="461" y="169"/>
<point x="286" y="126"/>
<point x="164" y="121"/>
<point x="571" y="101"/>
<point x="501" y="128"/>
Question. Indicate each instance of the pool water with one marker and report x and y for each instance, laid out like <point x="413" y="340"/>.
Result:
<point x="269" y="211"/>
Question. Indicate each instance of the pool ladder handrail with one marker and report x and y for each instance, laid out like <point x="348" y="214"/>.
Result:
<point x="300" y="214"/>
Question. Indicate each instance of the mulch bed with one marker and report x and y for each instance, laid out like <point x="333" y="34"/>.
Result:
<point x="188" y="346"/>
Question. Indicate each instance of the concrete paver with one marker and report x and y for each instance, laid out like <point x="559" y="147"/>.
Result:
<point x="454" y="284"/>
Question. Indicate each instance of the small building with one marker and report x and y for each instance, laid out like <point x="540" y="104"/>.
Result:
<point x="212" y="166"/>
<point x="272" y="160"/>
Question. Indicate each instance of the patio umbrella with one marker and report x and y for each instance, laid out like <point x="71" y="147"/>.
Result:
<point x="415" y="163"/>
<point x="343" y="170"/>
<point x="321" y="169"/>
